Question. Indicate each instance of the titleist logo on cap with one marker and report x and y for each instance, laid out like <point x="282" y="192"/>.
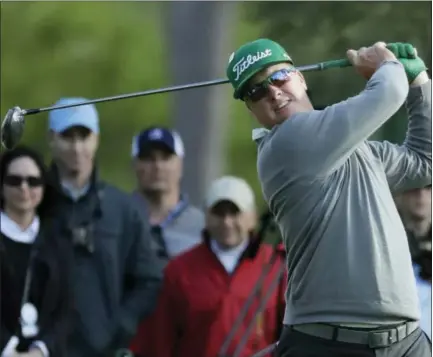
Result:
<point x="245" y="63"/>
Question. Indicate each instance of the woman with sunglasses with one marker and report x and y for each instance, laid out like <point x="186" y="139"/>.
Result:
<point x="34" y="262"/>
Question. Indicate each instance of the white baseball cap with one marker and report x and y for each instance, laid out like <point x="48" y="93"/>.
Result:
<point x="233" y="189"/>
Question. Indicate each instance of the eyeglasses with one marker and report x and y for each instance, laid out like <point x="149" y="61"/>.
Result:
<point x="260" y="90"/>
<point x="17" y="181"/>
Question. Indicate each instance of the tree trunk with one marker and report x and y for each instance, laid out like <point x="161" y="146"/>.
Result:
<point x="198" y="51"/>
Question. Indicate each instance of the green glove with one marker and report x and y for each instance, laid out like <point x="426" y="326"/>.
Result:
<point x="408" y="57"/>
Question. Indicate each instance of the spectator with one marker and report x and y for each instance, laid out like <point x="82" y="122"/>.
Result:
<point x="206" y="287"/>
<point x="34" y="263"/>
<point x="416" y="213"/>
<point x="415" y="210"/>
<point x="176" y="224"/>
<point x="116" y="274"/>
<point x="157" y="159"/>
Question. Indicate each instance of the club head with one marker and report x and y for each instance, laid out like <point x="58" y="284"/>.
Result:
<point x="12" y="128"/>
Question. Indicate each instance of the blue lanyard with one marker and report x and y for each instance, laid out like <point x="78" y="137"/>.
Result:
<point x="174" y="213"/>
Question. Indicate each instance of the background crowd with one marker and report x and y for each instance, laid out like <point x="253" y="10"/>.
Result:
<point x="123" y="231"/>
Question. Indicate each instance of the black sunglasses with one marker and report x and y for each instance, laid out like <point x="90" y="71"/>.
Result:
<point x="258" y="91"/>
<point x="17" y="181"/>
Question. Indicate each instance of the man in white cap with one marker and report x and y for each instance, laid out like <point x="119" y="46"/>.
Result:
<point x="116" y="273"/>
<point x="206" y="288"/>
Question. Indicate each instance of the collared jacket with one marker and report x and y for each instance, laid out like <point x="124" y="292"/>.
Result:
<point x="200" y="303"/>
<point x="180" y="231"/>
<point x="116" y="275"/>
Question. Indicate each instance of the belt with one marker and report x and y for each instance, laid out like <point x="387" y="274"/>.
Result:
<point x="377" y="338"/>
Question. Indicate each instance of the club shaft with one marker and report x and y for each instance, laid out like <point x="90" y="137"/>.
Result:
<point x="309" y="67"/>
<point x="130" y="95"/>
<point x="306" y="68"/>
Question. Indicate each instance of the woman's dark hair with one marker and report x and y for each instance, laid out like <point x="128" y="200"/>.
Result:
<point x="9" y="156"/>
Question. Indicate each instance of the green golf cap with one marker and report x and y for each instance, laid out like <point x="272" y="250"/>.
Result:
<point x="250" y="59"/>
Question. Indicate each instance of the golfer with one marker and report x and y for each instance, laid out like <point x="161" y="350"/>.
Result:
<point x="351" y="289"/>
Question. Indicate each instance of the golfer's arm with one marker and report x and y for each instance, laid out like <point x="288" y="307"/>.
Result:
<point x="409" y="165"/>
<point x="323" y="140"/>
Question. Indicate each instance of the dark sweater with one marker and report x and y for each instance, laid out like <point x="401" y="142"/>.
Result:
<point x="12" y="280"/>
<point x="49" y="290"/>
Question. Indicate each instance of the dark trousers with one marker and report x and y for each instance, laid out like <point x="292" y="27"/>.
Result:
<point x="296" y="344"/>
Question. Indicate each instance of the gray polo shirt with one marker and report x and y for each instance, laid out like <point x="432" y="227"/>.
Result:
<point x="179" y="232"/>
<point x="330" y="191"/>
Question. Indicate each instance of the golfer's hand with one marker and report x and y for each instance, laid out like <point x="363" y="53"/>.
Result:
<point x="368" y="59"/>
<point x="414" y="66"/>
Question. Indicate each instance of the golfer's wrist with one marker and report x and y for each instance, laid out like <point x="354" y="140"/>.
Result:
<point x="421" y="79"/>
<point x="389" y="62"/>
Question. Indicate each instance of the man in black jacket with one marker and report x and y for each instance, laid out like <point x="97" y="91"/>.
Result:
<point x="116" y="275"/>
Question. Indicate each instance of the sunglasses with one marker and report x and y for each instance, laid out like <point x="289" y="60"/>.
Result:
<point x="17" y="181"/>
<point x="258" y="91"/>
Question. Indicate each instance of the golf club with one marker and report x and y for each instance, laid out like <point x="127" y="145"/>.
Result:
<point x="263" y="305"/>
<point x="13" y="125"/>
<point x="265" y="224"/>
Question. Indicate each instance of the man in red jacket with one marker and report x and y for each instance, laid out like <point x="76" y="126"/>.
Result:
<point x="206" y="288"/>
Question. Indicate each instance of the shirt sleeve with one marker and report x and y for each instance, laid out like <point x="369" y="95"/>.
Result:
<point x="319" y="142"/>
<point x="409" y="165"/>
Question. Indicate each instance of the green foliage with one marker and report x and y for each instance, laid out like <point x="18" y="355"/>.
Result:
<point x="96" y="49"/>
<point x="55" y="49"/>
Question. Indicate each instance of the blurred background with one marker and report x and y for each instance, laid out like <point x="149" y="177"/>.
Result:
<point x="95" y="49"/>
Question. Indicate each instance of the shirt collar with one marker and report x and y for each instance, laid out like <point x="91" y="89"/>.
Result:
<point x="253" y="245"/>
<point x="13" y="231"/>
<point x="259" y="133"/>
<point x="174" y="213"/>
<point x="74" y="193"/>
<point x="229" y="258"/>
<point x="66" y="189"/>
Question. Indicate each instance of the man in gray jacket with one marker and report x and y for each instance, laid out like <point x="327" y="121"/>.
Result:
<point x="116" y="275"/>
<point x="351" y="288"/>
